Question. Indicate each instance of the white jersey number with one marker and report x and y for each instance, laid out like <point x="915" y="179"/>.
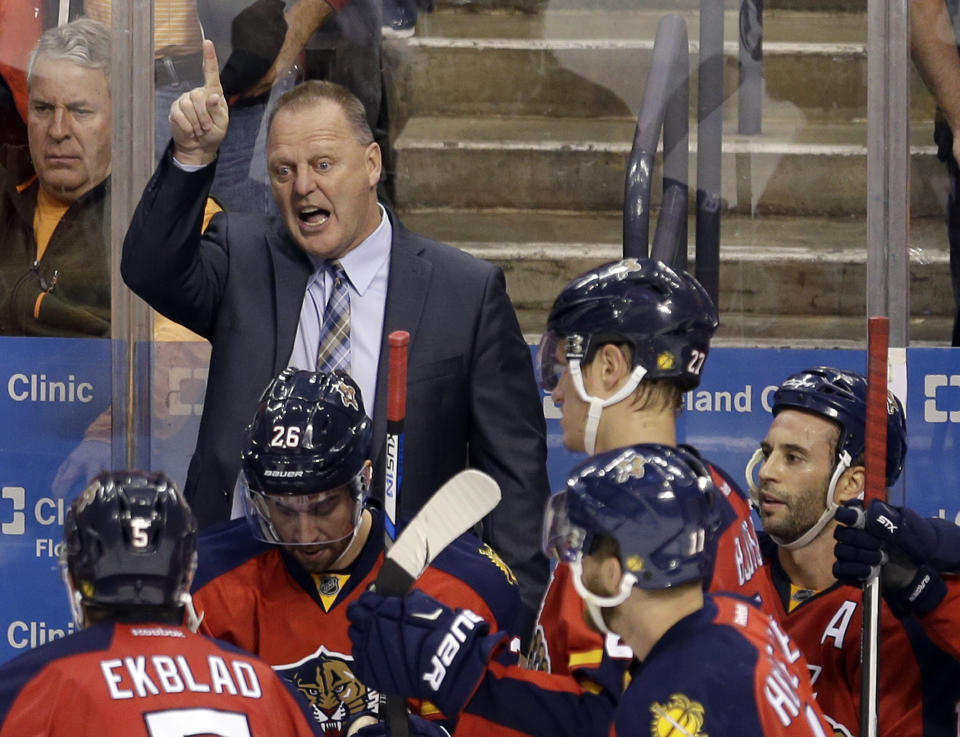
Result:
<point x="185" y="722"/>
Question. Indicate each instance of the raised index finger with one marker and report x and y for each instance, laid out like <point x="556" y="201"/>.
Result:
<point x="211" y="68"/>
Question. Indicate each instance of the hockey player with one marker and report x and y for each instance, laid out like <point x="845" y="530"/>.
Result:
<point x="278" y="583"/>
<point x="623" y="343"/>
<point x="634" y="526"/>
<point x="128" y="556"/>
<point x="810" y="463"/>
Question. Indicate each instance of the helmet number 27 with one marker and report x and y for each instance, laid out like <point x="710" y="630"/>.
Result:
<point x="696" y="361"/>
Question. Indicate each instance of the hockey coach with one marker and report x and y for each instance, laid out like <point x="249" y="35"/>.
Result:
<point x="268" y="294"/>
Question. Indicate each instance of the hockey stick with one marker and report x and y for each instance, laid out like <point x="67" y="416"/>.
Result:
<point x="452" y="510"/>
<point x="398" y="341"/>
<point x="875" y="487"/>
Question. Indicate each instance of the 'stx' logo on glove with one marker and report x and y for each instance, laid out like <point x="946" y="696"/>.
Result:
<point x="887" y="523"/>
<point x="465" y="621"/>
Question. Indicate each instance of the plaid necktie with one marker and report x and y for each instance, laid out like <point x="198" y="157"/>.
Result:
<point x="334" y="350"/>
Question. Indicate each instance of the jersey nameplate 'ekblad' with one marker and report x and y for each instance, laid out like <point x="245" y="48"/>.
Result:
<point x="253" y="595"/>
<point x="144" y="680"/>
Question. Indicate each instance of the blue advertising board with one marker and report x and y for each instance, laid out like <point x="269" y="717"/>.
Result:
<point x="53" y="391"/>
<point x="56" y="392"/>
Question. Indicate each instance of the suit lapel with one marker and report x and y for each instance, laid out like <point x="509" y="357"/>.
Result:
<point x="406" y="294"/>
<point x="291" y="270"/>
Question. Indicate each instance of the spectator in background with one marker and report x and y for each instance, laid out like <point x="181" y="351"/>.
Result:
<point x="933" y="45"/>
<point x="21" y="23"/>
<point x="129" y="554"/>
<point x="259" y="291"/>
<point x="55" y="260"/>
<point x="399" y="18"/>
<point x="261" y="41"/>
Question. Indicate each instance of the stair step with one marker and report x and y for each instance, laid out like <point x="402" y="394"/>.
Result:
<point x="586" y="63"/>
<point x="772" y="266"/>
<point x="540" y="6"/>
<point x="741" y="330"/>
<point x="579" y="164"/>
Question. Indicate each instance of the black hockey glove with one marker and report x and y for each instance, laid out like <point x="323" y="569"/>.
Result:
<point x="417" y="647"/>
<point x="256" y="35"/>
<point x="897" y="543"/>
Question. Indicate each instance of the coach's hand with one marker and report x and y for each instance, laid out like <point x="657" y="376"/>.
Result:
<point x="199" y="118"/>
<point x="417" y="647"/>
<point x="898" y="543"/>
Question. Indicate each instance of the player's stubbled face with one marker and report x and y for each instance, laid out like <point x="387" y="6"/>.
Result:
<point x="798" y="461"/>
<point x="319" y="527"/>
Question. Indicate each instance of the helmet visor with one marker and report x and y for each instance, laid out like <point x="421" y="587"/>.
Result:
<point x="561" y="539"/>
<point x="303" y="520"/>
<point x="551" y="360"/>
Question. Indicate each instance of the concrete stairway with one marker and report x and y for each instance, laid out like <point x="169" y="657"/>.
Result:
<point x="512" y="122"/>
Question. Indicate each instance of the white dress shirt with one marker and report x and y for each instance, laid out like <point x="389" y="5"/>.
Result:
<point x="367" y="268"/>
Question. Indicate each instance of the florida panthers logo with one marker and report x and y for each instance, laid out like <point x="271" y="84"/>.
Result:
<point x="348" y="395"/>
<point x="332" y="691"/>
<point x="679" y="717"/>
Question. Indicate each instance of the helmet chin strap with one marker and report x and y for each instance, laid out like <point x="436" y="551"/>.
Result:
<point x="597" y="405"/>
<point x="596" y="603"/>
<point x="353" y="536"/>
<point x="193" y="619"/>
<point x="830" y="504"/>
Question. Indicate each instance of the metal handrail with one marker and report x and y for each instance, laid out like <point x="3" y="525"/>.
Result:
<point x="665" y="107"/>
<point x="750" y="92"/>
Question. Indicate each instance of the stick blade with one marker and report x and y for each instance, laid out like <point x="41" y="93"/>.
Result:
<point x="454" y="508"/>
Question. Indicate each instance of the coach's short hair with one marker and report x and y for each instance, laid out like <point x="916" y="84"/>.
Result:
<point x="314" y="91"/>
<point x="84" y="42"/>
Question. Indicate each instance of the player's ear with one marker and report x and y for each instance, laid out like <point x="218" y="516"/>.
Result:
<point x="367" y="473"/>
<point x="612" y="366"/>
<point x="850" y="485"/>
<point x="610" y="573"/>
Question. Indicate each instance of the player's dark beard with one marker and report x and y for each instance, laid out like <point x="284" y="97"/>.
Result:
<point x="801" y="512"/>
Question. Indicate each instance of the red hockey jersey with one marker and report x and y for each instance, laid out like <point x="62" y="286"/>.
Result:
<point x="254" y="596"/>
<point x="144" y="680"/>
<point x="919" y="684"/>
<point x="564" y="641"/>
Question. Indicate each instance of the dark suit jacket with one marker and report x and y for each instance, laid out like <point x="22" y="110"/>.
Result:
<point x="471" y="394"/>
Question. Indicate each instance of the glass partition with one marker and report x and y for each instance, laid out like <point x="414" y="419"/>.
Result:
<point x="506" y="128"/>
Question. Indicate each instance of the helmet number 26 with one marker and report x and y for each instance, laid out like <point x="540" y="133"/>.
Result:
<point x="285" y="437"/>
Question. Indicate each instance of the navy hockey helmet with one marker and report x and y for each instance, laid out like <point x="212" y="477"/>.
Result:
<point x="310" y="436"/>
<point x="841" y="396"/>
<point x="310" y="433"/>
<point x="666" y="316"/>
<point x="658" y="502"/>
<point x="130" y="540"/>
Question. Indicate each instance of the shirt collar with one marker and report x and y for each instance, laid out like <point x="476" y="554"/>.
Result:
<point x="362" y="263"/>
